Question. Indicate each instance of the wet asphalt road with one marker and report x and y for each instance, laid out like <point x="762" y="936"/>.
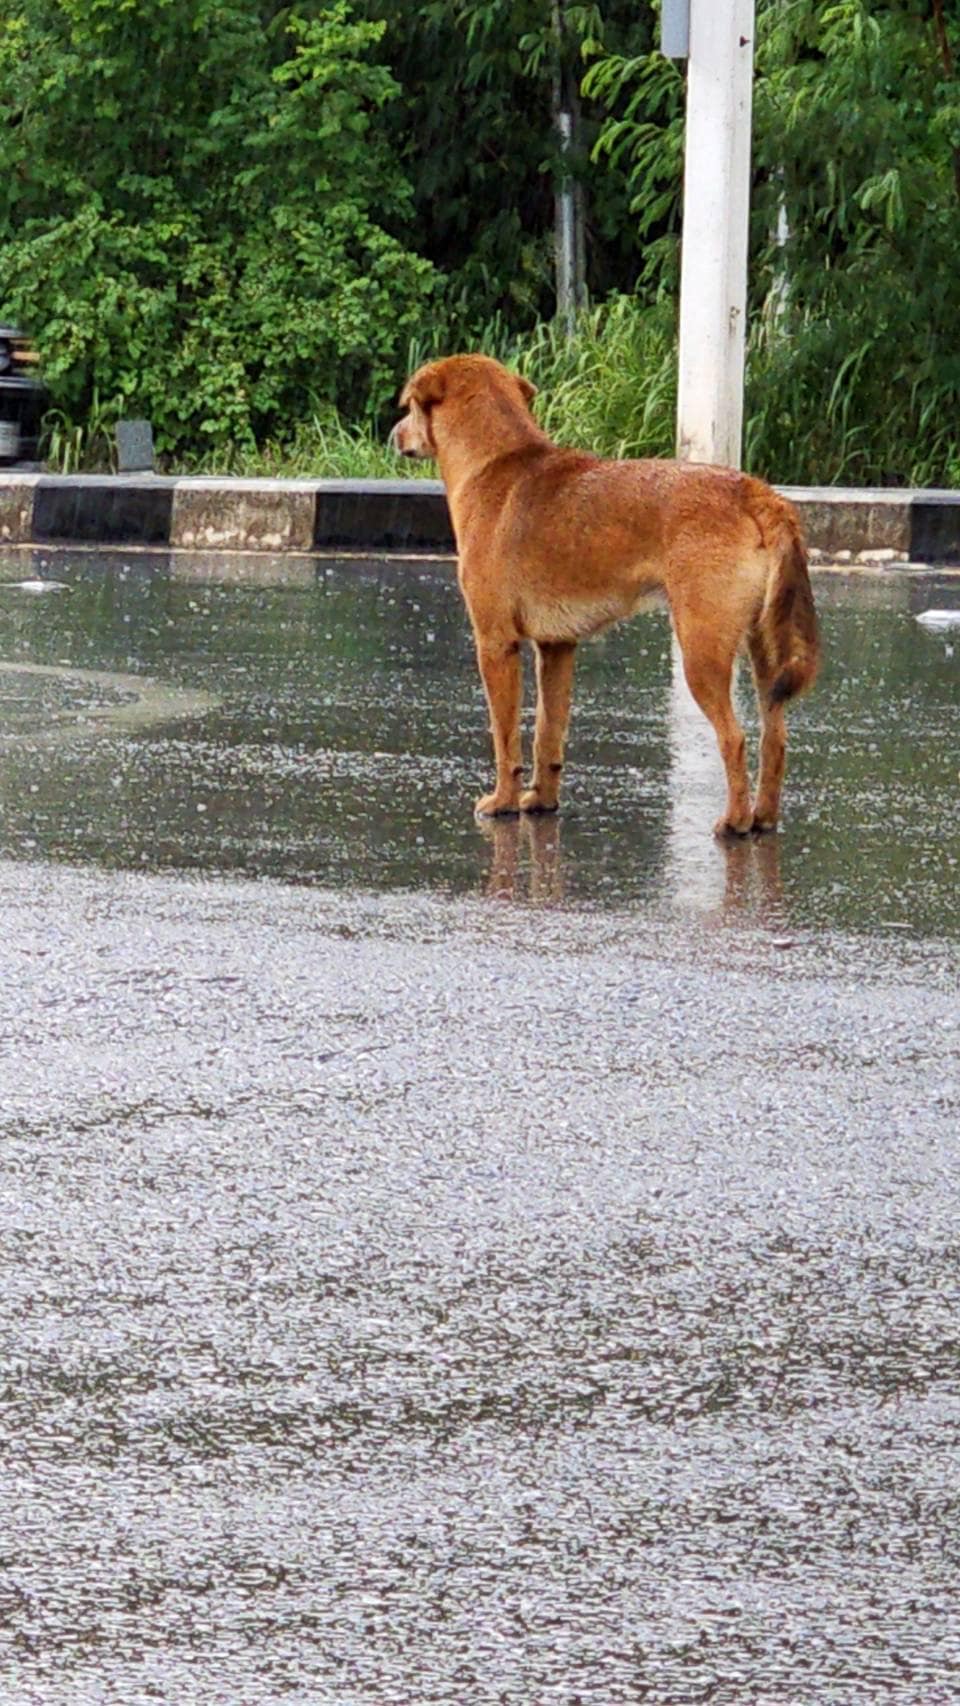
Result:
<point x="453" y="1267"/>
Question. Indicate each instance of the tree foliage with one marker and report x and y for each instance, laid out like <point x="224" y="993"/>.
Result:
<point x="476" y="135"/>
<point x="854" y="369"/>
<point x="858" y="124"/>
<point x="201" y="216"/>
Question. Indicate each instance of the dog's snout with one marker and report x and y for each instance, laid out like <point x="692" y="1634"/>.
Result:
<point x="401" y="440"/>
<point x="396" y="440"/>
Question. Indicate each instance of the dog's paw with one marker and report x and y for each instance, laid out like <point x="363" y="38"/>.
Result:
<point x="763" y="825"/>
<point x="496" y="805"/>
<point x="731" y="829"/>
<point x="533" y="801"/>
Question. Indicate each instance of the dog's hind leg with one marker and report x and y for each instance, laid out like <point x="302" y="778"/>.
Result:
<point x="555" y="660"/>
<point x="773" y="739"/>
<point x="708" y="659"/>
<point x="502" y="677"/>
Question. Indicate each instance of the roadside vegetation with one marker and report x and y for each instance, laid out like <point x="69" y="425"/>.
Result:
<point x="248" y="222"/>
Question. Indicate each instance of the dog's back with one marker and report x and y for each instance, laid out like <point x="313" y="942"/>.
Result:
<point x="581" y="542"/>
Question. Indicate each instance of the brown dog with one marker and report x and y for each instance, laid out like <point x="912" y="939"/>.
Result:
<point x="554" y="545"/>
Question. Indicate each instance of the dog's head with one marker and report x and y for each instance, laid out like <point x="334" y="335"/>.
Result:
<point x="446" y="386"/>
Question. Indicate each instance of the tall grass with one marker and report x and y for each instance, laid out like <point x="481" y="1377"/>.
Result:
<point x="72" y="447"/>
<point x="848" y="403"/>
<point x="612" y="387"/>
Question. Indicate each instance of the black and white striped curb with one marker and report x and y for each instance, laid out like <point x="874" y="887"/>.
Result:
<point x="404" y="516"/>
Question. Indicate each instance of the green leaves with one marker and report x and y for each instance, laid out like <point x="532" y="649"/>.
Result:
<point x="883" y="194"/>
<point x="854" y="316"/>
<point x="200" y="219"/>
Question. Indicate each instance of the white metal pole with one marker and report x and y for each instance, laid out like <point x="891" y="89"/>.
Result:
<point x="566" y="236"/>
<point x="716" y="209"/>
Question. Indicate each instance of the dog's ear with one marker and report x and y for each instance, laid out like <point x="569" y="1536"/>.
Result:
<point x="527" y="387"/>
<point x="426" y="388"/>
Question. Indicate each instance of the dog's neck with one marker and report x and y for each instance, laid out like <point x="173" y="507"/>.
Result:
<point x="484" y="429"/>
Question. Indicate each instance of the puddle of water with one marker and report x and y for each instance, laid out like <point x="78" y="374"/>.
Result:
<point x="336" y="734"/>
<point x="42" y="701"/>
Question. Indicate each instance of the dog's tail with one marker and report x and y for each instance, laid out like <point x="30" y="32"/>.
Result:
<point x="787" y="623"/>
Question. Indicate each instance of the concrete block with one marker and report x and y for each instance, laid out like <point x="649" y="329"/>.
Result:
<point x="837" y="519"/>
<point x="243" y="515"/>
<point x="135" y="452"/>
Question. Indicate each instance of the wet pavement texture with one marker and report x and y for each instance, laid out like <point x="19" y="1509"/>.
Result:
<point x="447" y="1265"/>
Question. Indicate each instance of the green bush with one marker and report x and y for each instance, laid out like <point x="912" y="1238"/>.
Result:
<point x="198" y="217"/>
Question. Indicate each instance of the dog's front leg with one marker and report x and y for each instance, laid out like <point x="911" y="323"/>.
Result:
<point x="503" y="680"/>
<point x="554" y="686"/>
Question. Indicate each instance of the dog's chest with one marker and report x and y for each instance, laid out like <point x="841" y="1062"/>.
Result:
<point x="547" y="618"/>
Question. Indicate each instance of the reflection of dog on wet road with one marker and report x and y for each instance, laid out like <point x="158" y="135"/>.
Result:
<point x="527" y="863"/>
<point x="524" y="858"/>
<point x="554" y="545"/>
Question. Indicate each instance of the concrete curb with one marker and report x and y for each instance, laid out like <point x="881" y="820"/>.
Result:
<point x="408" y="516"/>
